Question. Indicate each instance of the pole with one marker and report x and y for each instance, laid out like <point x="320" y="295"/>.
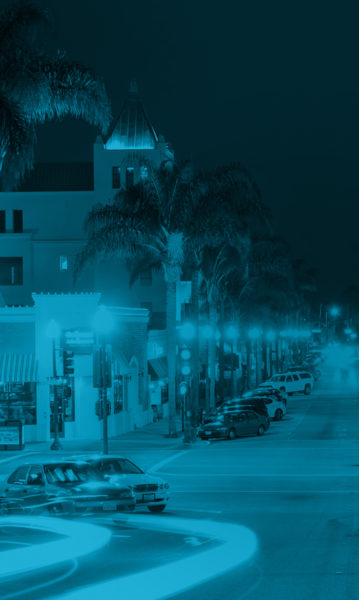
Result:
<point x="56" y="443"/>
<point x="232" y="371"/>
<point x="104" y="399"/>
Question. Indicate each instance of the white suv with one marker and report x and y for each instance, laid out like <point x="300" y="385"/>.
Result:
<point x="292" y="383"/>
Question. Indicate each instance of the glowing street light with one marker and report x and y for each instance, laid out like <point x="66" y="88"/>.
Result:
<point x="254" y="333"/>
<point x="231" y="332"/>
<point x="103" y="321"/>
<point x="334" y="311"/>
<point x="270" y="336"/>
<point x="187" y="331"/>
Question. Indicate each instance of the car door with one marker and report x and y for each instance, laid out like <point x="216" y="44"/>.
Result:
<point x="241" y="424"/>
<point x="270" y="407"/>
<point x="253" y="423"/>
<point x="36" y="494"/>
<point x="15" y="489"/>
<point x="296" y="383"/>
<point x="289" y="386"/>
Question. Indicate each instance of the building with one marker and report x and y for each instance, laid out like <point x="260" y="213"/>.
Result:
<point x="41" y="232"/>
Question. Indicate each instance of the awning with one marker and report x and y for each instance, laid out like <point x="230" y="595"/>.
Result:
<point x="158" y="368"/>
<point x="18" y="368"/>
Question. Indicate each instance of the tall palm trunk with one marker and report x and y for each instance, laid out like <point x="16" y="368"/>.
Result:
<point x="171" y="357"/>
<point x="212" y="354"/>
<point x="195" y="348"/>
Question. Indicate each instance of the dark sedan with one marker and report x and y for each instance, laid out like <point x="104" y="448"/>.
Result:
<point x="63" y="487"/>
<point x="234" y="424"/>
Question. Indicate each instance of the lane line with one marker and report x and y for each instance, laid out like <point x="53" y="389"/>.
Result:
<point x="164" y="462"/>
<point x="264" y="475"/>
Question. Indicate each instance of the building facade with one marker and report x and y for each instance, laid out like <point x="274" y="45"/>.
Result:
<point x="41" y="233"/>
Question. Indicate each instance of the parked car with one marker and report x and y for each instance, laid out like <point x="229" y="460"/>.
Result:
<point x="268" y="391"/>
<point x="300" y="381"/>
<point x="308" y="367"/>
<point x="150" y="492"/>
<point x="256" y="404"/>
<point x="235" y="424"/>
<point x="276" y="408"/>
<point x="64" y="486"/>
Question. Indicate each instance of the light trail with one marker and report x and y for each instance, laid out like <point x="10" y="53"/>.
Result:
<point x="81" y="539"/>
<point x="238" y="546"/>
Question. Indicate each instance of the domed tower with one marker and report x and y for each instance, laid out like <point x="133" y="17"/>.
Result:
<point x="132" y="143"/>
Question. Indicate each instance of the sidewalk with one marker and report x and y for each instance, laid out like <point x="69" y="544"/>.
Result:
<point x="151" y="437"/>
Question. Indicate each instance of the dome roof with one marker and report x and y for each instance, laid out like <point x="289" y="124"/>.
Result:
<point x="132" y="129"/>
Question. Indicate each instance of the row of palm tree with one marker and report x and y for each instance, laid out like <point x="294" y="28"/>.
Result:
<point x="214" y="226"/>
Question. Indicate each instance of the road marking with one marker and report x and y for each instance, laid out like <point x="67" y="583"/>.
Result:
<point x="239" y="544"/>
<point x="80" y="539"/>
<point x="197" y="510"/>
<point x="264" y="475"/>
<point x="294" y="491"/>
<point x="164" y="462"/>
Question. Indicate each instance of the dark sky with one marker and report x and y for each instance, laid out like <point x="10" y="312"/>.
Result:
<point x="271" y="84"/>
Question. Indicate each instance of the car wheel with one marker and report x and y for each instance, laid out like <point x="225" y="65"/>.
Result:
<point x="278" y="414"/>
<point x="260" y="430"/>
<point x="307" y="389"/>
<point x="231" y="434"/>
<point x="157" y="509"/>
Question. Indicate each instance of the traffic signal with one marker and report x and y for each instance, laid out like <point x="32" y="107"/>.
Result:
<point x="185" y="361"/>
<point x="68" y="358"/>
<point x="102" y="367"/>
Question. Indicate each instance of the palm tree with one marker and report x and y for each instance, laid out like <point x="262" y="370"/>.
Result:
<point x="36" y="86"/>
<point x="148" y="221"/>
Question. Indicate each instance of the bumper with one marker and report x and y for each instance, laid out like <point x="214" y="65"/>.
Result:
<point x="148" y="499"/>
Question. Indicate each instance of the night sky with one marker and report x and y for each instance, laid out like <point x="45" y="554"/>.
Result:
<point x="273" y="85"/>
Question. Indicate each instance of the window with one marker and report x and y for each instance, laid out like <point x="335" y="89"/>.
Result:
<point x="19" y="476"/>
<point x="35" y="476"/>
<point x="116" y="178"/>
<point x="295" y="377"/>
<point x="18" y="402"/>
<point x="10" y="270"/>
<point x="17" y="221"/>
<point x="63" y="263"/>
<point x="130" y="177"/>
<point x="304" y="375"/>
<point x="146" y="277"/>
<point x="143" y="172"/>
<point x="281" y="378"/>
<point x="288" y="378"/>
<point x="2" y="221"/>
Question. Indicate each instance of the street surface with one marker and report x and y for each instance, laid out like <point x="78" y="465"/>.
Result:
<point x="296" y="488"/>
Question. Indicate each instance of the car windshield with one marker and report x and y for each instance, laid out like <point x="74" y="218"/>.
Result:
<point x="119" y="466"/>
<point x="70" y="473"/>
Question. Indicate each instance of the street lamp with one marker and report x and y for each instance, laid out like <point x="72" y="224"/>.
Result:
<point x="103" y="324"/>
<point x="232" y="334"/>
<point x="53" y="332"/>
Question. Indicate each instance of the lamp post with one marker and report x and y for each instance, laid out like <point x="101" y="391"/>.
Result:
<point x="53" y="332"/>
<point x="103" y="324"/>
<point x="232" y="334"/>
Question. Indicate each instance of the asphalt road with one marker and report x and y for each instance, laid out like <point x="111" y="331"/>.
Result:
<point x="296" y="488"/>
